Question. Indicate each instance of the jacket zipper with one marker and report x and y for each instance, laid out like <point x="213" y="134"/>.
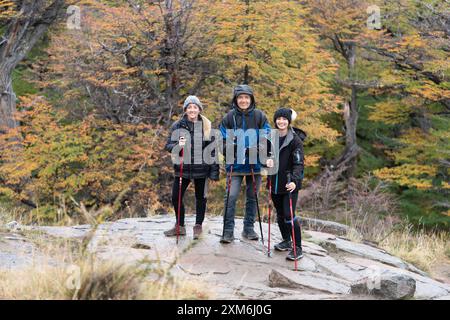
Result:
<point x="276" y="184"/>
<point x="276" y="178"/>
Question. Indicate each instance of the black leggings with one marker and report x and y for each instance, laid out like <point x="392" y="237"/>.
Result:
<point x="200" y="198"/>
<point x="281" y="203"/>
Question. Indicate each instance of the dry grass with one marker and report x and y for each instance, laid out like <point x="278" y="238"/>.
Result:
<point x="370" y="210"/>
<point x="65" y="269"/>
<point x="421" y="248"/>
<point x="6" y="216"/>
<point x="95" y="281"/>
<point x="364" y="204"/>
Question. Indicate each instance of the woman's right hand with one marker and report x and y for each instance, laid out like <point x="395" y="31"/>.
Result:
<point x="182" y="141"/>
<point x="269" y="163"/>
<point x="291" y="186"/>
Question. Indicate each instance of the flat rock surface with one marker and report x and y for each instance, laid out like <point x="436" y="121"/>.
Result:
<point x="17" y="252"/>
<point x="239" y="270"/>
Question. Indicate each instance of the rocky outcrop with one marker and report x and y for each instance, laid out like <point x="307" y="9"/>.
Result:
<point x="326" y="226"/>
<point x="332" y="267"/>
<point x="387" y="284"/>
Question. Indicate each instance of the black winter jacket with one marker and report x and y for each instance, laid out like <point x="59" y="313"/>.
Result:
<point x="193" y="170"/>
<point x="290" y="159"/>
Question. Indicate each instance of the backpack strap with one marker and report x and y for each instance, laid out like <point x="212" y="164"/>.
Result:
<point x="258" y="118"/>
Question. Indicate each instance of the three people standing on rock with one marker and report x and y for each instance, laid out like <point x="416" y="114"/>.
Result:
<point x="242" y="131"/>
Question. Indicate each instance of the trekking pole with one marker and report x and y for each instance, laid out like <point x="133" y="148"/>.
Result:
<point x="268" y="200"/>
<point x="257" y="204"/>
<point x="228" y="197"/>
<point x="179" y="193"/>
<point x="292" y="222"/>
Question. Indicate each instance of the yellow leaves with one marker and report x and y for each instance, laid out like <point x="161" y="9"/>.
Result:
<point x="320" y="132"/>
<point x="95" y="81"/>
<point x="346" y="18"/>
<point x="280" y="52"/>
<point x="390" y="112"/>
<point x="285" y="60"/>
<point x="430" y="91"/>
<point x="409" y="175"/>
<point x="312" y="160"/>
<point x="419" y="169"/>
<point x="121" y="40"/>
<point x="83" y="159"/>
<point x="438" y="61"/>
<point x="7" y="9"/>
<point x="156" y="72"/>
<point x="413" y="135"/>
<point x="6" y="5"/>
<point x="388" y="77"/>
<point x="418" y="159"/>
<point x="414" y="41"/>
<point x="417" y="147"/>
<point x="124" y="70"/>
<point x="9" y="193"/>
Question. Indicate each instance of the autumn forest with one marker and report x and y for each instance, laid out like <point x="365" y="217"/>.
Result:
<point x="89" y="89"/>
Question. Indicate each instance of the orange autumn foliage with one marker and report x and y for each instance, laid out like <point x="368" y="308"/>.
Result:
<point x="92" y="161"/>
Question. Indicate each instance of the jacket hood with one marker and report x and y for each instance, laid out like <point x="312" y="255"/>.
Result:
<point x="243" y="89"/>
<point x="300" y="133"/>
<point x="292" y="132"/>
<point x="206" y="127"/>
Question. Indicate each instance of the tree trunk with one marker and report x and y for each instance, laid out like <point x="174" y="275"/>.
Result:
<point x="345" y="164"/>
<point x="348" y="158"/>
<point x="21" y="34"/>
<point x="7" y="100"/>
<point x="246" y="79"/>
<point x="170" y="54"/>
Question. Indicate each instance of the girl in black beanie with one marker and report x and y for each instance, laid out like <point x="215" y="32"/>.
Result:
<point x="290" y="160"/>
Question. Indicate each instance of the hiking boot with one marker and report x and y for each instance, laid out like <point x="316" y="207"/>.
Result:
<point x="250" y="235"/>
<point x="227" y="238"/>
<point x="283" y="245"/>
<point x="197" y="231"/>
<point x="299" y="254"/>
<point x="173" y="232"/>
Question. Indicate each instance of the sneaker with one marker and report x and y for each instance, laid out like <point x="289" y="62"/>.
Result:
<point x="250" y="235"/>
<point x="283" y="245"/>
<point x="197" y="231"/>
<point x="227" y="238"/>
<point x="293" y="257"/>
<point x="173" y="232"/>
